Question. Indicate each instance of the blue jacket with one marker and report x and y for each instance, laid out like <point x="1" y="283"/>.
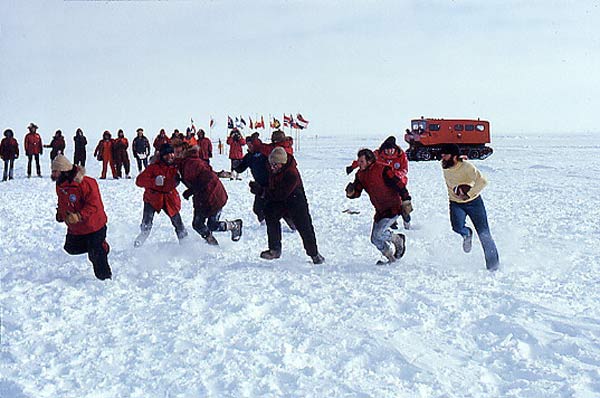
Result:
<point x="258" y="164"/>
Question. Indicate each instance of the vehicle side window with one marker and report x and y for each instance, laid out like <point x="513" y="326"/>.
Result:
<point x="434" y="127"/>
<point x="458" y="127"/>
<point x="480" y="127"/>
<point x="469" y="127"/>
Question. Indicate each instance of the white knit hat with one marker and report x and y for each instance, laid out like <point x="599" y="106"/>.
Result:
<point x="61" y="163"/>
<point x="278" y="155"/>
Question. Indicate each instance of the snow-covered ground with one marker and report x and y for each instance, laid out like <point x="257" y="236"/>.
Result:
<point x="197" y="321"/>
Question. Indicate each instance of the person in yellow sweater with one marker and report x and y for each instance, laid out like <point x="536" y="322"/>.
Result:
<point x="465" y="183"/>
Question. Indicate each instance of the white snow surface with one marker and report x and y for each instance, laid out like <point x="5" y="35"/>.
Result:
<point x="197" y="321"/>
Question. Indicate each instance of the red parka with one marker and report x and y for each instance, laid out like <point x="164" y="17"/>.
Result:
<point x="9" y="148"/>
<point x="283" y="183"/>
<point x="104" y="150"/>
<point x="33" y="144"/>
<point x="119" y="149"/>
<point x="163" y="197"/>
<point x="266" y="149"/>
<point x="159" y="140"/>
<point x="235" y="148"/>
<point x="82" y="196"/>
<point x="385" y="189"/>
<point x="398" y="161"/>
<point x="208" y="190"/>
<point x="205" y="148"/>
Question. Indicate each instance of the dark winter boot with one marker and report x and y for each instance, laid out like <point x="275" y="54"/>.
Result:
<point x="211" y="240"/>
<point x="399" y="242"/>
<point x="181" y="235"/>
<point x="318" y="259"/>
<point x="270" y="254"/>
<point x="468" y="241"/>
<point x="235" y="227"/>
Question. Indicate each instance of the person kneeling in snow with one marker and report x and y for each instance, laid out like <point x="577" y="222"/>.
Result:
<point x="160" y="180"/>
<point x="389" y="196"/>
<point x="209" y="197"/>
<point x="285" y="194"/>
<point x="80" y="207"/>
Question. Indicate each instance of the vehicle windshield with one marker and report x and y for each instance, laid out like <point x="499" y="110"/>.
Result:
<point x="419" y="125"/>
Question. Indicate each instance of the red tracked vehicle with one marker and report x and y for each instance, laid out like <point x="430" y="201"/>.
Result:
<point x="426" y="136"/>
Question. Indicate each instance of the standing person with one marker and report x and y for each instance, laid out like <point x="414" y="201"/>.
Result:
<point x="285" y="194"/>
<point x="190" y="136"/>
<point x="104" y="153"/>
<point x="209" y="198"/>
<point x="9" y="151"/>
<point x="236" y="154"/>
<point x="121" y="158"/>
<point x="258" y="164"/>
<point x="160" y="139"/>
<point x="33" y="149"/>
<point x="204" y="146"/>
<point x="141" y="149"/>
<point x="220" y="145"/>
<point x="80" y="144"/>
<point x="465" y="183"/>
<point x="80" y="207"/>
<point x="159" y="181"/>
<point x="389" y="196"/>
<point x="57" y="144"/>
<point x="177" y="135"/>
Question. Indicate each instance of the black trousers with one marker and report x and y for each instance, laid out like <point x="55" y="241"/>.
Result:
<point x="296" y="207"/>
<point x="95" y="246"/>
<point x="124" y="163"/>
<point x="9" y="166"/>
<point x="37" y="164"/>
<point x="204" y="224"/>
<point x="79" y="159"/>
<point x="141" y="162"/>
<point x="259" y="207"/>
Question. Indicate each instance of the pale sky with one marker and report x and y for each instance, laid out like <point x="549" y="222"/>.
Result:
<point x="349" y="67"/>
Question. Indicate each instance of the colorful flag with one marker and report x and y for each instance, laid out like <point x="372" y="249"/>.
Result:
<point x="229" y="122"/>
<point x="211" y="124"/>
<point x="275" y="124"/>
<point x="242" y="121"/>
<point x="301" y="121"/>
<point x="287" y="120"/>
<point x="262" y="122"/>
<point x="251" y="123"/>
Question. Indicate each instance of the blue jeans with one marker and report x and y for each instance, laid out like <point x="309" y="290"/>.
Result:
<point x="475" y="209"/>
<point x="381" y="236"/>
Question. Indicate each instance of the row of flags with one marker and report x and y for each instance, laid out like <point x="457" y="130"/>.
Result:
<point x="299" y="122"/>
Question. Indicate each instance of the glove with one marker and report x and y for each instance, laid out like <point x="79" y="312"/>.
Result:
<point x="349" y="169"/>
<point x="462" y="190"/>
<point x="159" y="181"/>
<point x="256" y="188"/>
<point x="72" y="218"/>
<point x="349" y="189"/>
<point x="187" y="193"/>
<point x="407" y="207"/>
<point x="58" y="217"/>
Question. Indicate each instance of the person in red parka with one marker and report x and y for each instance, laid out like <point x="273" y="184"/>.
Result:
<point x="204" y="147"/>
<point x="160" y="139"/>
<point x="104" y="153"/>
<point x="33" y="149"/>
<point x="9" y="151"/>
<point x="390" y="198"/>
<point x="80" y="207"/>
<point x="159" y="181"/>
<point x="120" y="155"/>
<point x="278" y="139"/>
<point x="57" y="144"/>
<point x="236" y="153"/>
<point x="392" y="155"/>
<point x="209" y="197"/>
